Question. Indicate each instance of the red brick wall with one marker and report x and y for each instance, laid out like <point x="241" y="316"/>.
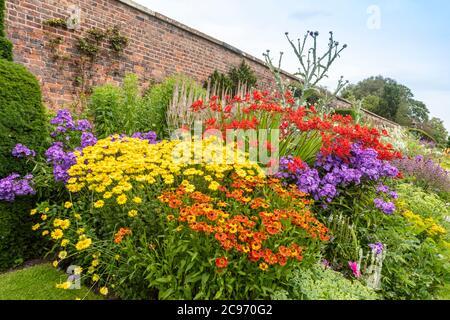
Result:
<point x="158" y="46"/>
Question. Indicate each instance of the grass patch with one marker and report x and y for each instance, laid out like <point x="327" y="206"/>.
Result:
<point x="38" y="283"/>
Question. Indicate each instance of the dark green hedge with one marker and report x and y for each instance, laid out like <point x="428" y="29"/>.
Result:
<point x="6" y="49"/>
<point x="22" y="115"/>
<point x="22" y="120"/>
<point x="18" y="243"/>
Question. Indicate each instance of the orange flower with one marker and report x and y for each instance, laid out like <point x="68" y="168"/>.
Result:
<point x="284" y="251"/>
<point x="221" y="262"/>
<point x="120" y="234"/>
<point x="220" y="236"/>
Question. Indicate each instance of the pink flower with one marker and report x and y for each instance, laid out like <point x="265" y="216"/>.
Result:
<point x="355" y="268"/>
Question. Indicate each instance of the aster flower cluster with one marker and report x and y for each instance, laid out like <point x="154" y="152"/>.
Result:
<point x="21" y="151"/>
<point x="388" y="207"/>
<point x="14" y="186"/>
<point x="150" y="136"/>
<point x="66" y="133"/>
<point x="332" y="172"/>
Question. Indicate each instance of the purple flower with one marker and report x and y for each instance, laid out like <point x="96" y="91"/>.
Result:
<point x="83" y="125"/>
<point x="21" y="151"/>
<point x="150" y="136"/>
<point x="12" y="186"/>
<point x="425" y="172"/>
<point x="63" y="119"/>
<point x="393" y="195"/>
<point x="87" y="139"/>
<point x="331" y="173"/>
<point x="377" y="247"/>
<point x="386" y="207"/>
<point x="382" y="188"/>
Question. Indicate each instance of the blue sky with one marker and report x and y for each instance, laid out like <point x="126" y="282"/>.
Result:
<point x="411" y="43"/>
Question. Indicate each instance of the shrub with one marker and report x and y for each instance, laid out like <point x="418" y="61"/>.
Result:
<point x="117" y="109"/>
<point x="321" y="283"/>
<point x="22" y="119"/>
<point x="18" y="243"/>
<point x="6" y="49"/>
<point x="22" y="115"/>
<point x="238" y="77"/>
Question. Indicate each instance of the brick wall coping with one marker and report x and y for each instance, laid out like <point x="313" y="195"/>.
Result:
<point x="197" y="33"/>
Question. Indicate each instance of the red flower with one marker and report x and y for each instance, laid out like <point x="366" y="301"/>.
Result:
<point x="221" y="262"/>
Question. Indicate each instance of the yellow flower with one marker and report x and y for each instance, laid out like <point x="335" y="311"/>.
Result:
<point x="57" y="234"/>
<point x="77" y="270"/>
<point x="263" y="266"/>
<point x="62" y="255"/>
<point x="95" y="263"/>
<point x="80" y="230"/>
<point x="44" y="233"/>
<point x="64" y="242"/>
<point x="107" y="195"/>
<point x="77" y="216"/>
<point x="117" y="257"/>
<point x="170" y="217"/>
<point x="95" y="277"/>
<point x="99" y="204"/>
<point x="132" y="213"/>
<point x="68" y="205"/>
<point x="55" y="263"/>
<point x="190" y="188"/>
<point x="33" y="212"/>
<point x="57" y="222"/>
<point x="44" y="217"/>
<point x="36" y="226"/>
<point x="122" y="199"/>
<point x="65" y="285"/>
<point x="104" y="291"/>
<point x="179" y="228"/>
<point x="83" y="244"/>
<point x="65" y="224"/>
<point x="47" y="209"/>
<point x="137" y="200"/>
<point x="214" y="185"/>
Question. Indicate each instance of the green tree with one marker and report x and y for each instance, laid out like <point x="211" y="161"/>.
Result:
<point x="389" y="99"/>
<point x="435" y="127"/>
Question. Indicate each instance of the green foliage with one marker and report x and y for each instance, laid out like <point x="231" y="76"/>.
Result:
<point x="319" y="283"/>
<point x="230" y="83"/>
<point x="38" y="283"/>
<point x="2" y="18"/>
<point x="22" y="120"/>
<point x="5" y="44"/>
<point x="389" y="99"/>
<point x="427" y="204"/>
<point x="157" y="101"/>
<point x="56" y="23"/>
<point x="436" y="128"/>
<point x="6" y="49"/>
<point x="22" y="115"/>
<point x="17" y="241"/>
<point x="117" y="109"/>
<point x="242" y="75"/>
